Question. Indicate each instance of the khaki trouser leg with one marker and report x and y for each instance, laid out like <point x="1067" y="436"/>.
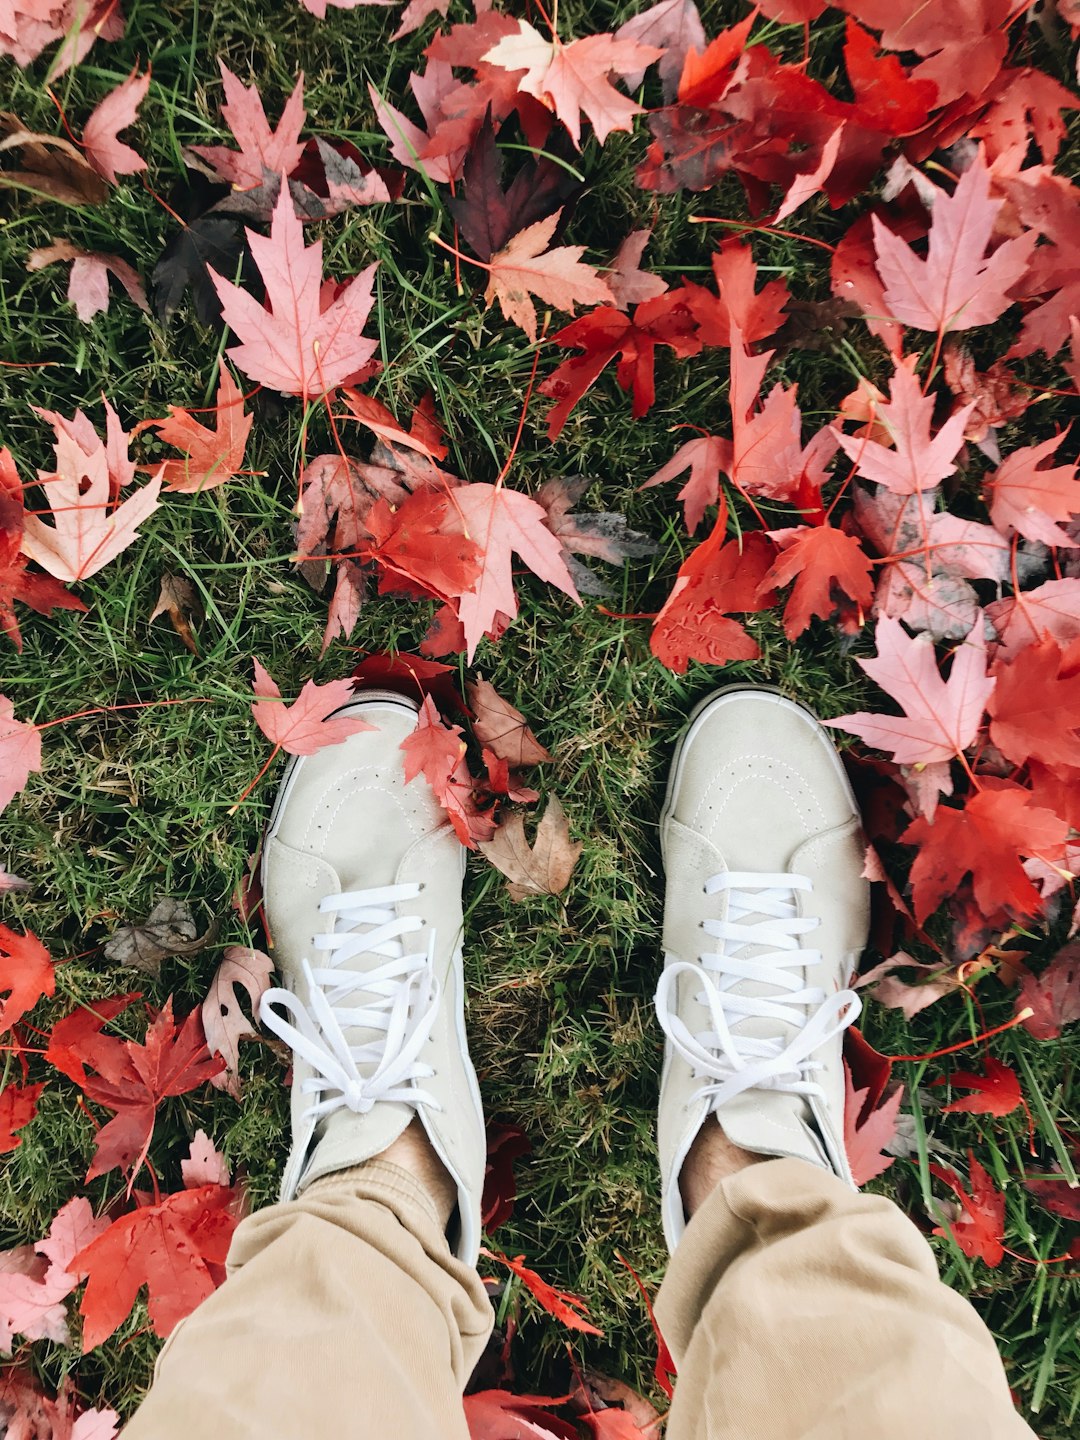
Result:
<point x="797" y="1309"/>
<point x="344" y="1315"/>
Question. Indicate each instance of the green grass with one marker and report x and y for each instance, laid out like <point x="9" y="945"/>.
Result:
<point x="133" y="805"/>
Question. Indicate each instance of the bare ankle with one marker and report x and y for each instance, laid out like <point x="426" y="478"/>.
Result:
<point x="711" y="1158"/>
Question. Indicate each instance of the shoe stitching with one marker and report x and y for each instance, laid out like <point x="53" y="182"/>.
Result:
<point x="734" y="783"/>
<point x="350" y="777"/>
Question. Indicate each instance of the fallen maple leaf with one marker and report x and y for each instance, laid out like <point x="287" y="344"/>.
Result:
<point x="89" y="528"/>
<point x="1059" y="1195"/>
<point x="714" y="579"/>
<point x="501" y="728"/>
<point x="168" y="930"/>
<point x="997" y="1090"/>
<point x="26" y="975"/>
<point x="821" y="560"/>
<point x="179" y="599"/>
<point x="505" y="1144"/>
<point x="176" y="1248"/>
<point x="1035" y="707"/>
<point x="132" y="1079"/>
<point x="109" y="155"/>
<point x="309" y="722"/>
<point x="570" y="78"/>
<point x="673" y="26"/>
<point x="629" y="284"/>
<point x="1026" y="499"/>
<point x="570" y="1309"/>
<point x="42" y="593"/>
<point x="88" y="282"/>
<point x="262" y="150"/>
<point x="705" y="458"/>
<point x="957" y="286"/>
<point x="605" y="333"/>
<point x="32" y="1289"/>
<point x="545" y="867"/>
<point x="20" y="751"/>
<point x="305" y="340"/>
<point x="30" y="1414"/>
<point x="941" y="717"/>
<point x="504" y="523"/>
<point x="18" y="1106"/>
<point x="864" y="1143"/>
<point x="916" y="460"/>
<point x="204" y="1165"/>
<point x="980" y="1229"/>
<point x="488" y="214"/>
<point x="213" y="456"/>
<point x="224" y="1023"/>
<point x="525" y="267"/>
<point x="1052" y="997"/>
<point x="437" y="750"/>
<point x="986" y="839"/>
<point x="500" y="1415"/>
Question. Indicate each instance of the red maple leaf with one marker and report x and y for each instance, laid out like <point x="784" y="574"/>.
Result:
<point x="986" y="840"/>
<point x="18" y="1106"/>
<point x="1035" y="707"/>
<point x="941" y="717"/>
<point x="262" y="150"/>
<point x="715" y="579"/>
<point x="980" y="1229"/>
<point x="504" y="523"/>
<point x="957" y="286"/>
<point x="108" y="154"/>
<point x="213" y="456"/>
<point x="570" y="78"/>
<point x="309" y="722"/>
<point x="1026" y="499"/>
<point x="821" y="560"/>
<point x="20" y="751"/>
<point x="306" y="340"/>
<point x="132" y="1079"/>
<point x="916" y="461"/>
<point x="705" y="458"/>
<point x="525" y="267"/>
<point x="997" y="1090"/>
<point x="423" y="547"/>
<point x="175" y="1247"/>
<point x="570" y="1309"/>
<point x="756" y="313"/>
<point x="505" y="1144"/>
<point x="605" y="333"/>
<point x="436" y="749"/>
<point x="26" y="975"/>
<point x="865" y="1141"/>
<point x="1052" y="996"/>
<point x="40" y="592"/>
<point x="501" y="1415"/>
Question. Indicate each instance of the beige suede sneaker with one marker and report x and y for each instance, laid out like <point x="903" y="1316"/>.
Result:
<point x="362" y="883"/>
<point x="766" y="914"/>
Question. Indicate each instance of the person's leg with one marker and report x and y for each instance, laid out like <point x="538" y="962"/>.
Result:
<point x="795" y="1308"/>
<point x="347" y="1310"/>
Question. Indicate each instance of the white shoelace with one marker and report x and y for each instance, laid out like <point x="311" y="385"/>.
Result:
<point x="402" y="1001"/>
<point x="733" y="1062"/>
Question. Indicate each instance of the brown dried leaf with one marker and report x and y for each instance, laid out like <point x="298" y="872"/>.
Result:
<point x="179" y="600"/>
<point x="545" y="867"/>
<point x="168" y="930"/>
<point x="223" y="1020"/>
<point x="52" y="167"/>
<point x="502" y="729"/>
